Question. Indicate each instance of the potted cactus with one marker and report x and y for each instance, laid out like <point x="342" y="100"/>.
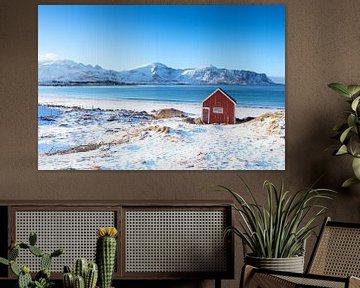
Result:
<point x="106" y="254"/>
<point x="84" y="275"/>
<point x="42" y="278"/>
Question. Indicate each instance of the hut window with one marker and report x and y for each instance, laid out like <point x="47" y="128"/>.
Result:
<point x="218" y="110"/>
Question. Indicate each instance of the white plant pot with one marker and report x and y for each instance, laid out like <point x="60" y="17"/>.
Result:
<point x="291" y="264"/>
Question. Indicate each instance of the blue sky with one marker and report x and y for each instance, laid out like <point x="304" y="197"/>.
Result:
<point x="121" y="37"/>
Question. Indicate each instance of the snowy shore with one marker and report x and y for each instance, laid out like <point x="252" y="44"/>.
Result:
<point x="88" y="134"/>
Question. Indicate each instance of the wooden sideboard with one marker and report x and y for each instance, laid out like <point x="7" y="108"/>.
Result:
<point x="157" y="240"/>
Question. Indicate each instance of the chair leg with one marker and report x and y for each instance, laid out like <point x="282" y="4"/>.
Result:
<point x="217" y="283"/>
<point x="246" y="274"/>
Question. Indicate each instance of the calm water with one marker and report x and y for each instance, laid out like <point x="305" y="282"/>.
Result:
<point x="246" y="96"/>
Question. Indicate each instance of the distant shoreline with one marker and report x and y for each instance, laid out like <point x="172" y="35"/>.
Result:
<point x="192" y="109"/>
<point x="109" y="83"/>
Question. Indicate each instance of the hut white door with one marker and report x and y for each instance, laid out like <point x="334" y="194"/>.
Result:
<point x="206" y="115"/>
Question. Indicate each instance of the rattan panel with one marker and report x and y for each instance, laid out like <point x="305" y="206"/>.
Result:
<point x="312" y="282"/>
<point x="338" y="253"/>
<point x="175" y="241"/>
<point x="75" y="231"/>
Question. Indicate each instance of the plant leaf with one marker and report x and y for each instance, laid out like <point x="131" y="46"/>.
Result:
<point x="342" y="150"/>
<point x="345" y="134"/>
<point x="355" y="103"/>
<point x="356" y="167"/>
<point x="340" y="88"/>
<point x="349" y="182"/>
<point x="353" y="89"/>
<point x="354" y="145"/>
<point x="351" y="120"/>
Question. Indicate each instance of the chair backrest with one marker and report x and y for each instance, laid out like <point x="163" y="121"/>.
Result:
<point x="337" y="251"/>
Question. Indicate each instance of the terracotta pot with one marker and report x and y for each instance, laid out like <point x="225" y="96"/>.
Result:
<point x="291" y="264"/>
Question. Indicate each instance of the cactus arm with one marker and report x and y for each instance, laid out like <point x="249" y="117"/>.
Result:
<point x="80" y="267"/>
<point x="13" y="253"/>
<point x="45" y="261"/>
<point x="4" y="261"/>
<point x="92" y="266"/>
<point x="67" y="269"/>
<point x="14" y="268"/>
<point x="32" y="239"/>
<point x="91" y="276"/>
<point x="79" y="282"/>
<point x="36" y="251"/>
<point x="57" y="253"/>
<point x="68" y="280"/>
<point x="24" y="280"/>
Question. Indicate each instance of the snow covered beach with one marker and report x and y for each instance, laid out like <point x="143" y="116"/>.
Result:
<point x="88" y="134"/>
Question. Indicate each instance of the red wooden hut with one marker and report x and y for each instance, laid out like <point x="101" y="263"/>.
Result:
<point x="218" y="107"/>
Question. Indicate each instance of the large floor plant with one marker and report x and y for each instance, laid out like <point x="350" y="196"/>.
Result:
<point x="279" y="228"/>
<point x="348" y="132"/>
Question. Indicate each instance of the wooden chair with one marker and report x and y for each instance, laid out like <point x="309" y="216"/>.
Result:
<point x="334" y="263"/>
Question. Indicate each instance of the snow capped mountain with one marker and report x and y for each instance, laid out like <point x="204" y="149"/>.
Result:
<point x="214" y="75"/>
<point x="153" y="73"/>
<point x="67" y="72"/>
<point x="56" y="71"/>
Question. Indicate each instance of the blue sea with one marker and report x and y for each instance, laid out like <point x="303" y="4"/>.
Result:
<point x="246" y="96"/>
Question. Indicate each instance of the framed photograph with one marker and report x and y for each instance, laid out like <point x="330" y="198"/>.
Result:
<point x="161" y="87"/>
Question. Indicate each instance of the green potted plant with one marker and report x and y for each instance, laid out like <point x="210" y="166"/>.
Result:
<point x="42" y="278"/>
<point x="275" y="233"/>
<point x="348" y="132"/>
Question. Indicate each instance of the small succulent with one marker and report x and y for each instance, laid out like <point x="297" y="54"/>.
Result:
<point x="42" y="283"/>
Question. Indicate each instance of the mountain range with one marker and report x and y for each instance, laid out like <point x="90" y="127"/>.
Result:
<point x="67" y="73"/>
